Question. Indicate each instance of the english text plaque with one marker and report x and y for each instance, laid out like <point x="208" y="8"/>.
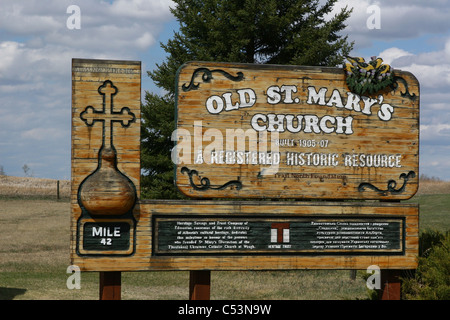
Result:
<point x="236" y="235"/>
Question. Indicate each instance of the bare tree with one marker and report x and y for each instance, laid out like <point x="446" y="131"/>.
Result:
<point x="26" y="170"/>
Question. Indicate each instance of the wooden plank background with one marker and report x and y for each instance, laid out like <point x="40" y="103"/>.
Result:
<point x="143" y="258"/>
<point x="397" y="137"/>
<point x="87" y="76"/>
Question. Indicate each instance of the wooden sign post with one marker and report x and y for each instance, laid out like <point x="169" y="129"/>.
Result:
<point x="252" y="132"/>
<point x="105" y="163"/>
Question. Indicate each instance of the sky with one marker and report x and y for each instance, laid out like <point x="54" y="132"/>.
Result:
<point x="39" y="38"/>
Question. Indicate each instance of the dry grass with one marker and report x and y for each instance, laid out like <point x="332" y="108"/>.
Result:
<point x="33" y="233"/>
<point x="34" y="255"/>
<point x="28" y="186"/>
<point x="34" y="251"/>
<point x="434" y="187"/>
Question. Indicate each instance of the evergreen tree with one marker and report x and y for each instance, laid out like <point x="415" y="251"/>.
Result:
<point x="297" y="32"/>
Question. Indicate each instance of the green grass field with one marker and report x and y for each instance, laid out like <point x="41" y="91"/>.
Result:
<point x="34" y="256"/>
<point x="434" y="211"/>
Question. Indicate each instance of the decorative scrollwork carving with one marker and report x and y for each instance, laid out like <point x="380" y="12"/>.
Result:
<point x="205" y="184"/>
<point x="207" y="76"/>
<point x="405" y="94"/>
<point x="391" y="185"/>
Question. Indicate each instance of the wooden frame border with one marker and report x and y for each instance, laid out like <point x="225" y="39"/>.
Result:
<point x="144" y="260"/>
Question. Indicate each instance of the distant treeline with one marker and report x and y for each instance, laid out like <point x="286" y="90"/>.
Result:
<point x="425" y="178"/>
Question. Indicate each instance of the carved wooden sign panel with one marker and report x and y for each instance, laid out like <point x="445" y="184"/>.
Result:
<point x="105" y="156"/>
<point x="112" y="229"/>
<point x="262" y="131"/>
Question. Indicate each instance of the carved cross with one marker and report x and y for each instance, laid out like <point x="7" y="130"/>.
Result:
<point x="108" y="116"/>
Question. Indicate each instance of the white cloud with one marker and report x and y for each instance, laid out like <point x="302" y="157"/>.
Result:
<point x="17" y="17"/>
<point x="145" y="40"/>
<point x="400" y="19"/>
<point x="36" y="50"/>
<point x="431" y="68"/>
<point x="36" y="47"/>
<point x="435" y="133"/>
<point x="8" y="51"/>
<point x="434" y="77"/>
<point x="392" y="54"/>
<point x="155" y="9"/>
<point x="42" y="134"/>
<point x="123" y="25"/>
<point x="414" y="36"/>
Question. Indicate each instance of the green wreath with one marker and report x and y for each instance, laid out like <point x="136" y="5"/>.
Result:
<point x="371" y="77"/>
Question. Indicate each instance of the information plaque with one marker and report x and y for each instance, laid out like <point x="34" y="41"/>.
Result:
<point x="225" y="235"/>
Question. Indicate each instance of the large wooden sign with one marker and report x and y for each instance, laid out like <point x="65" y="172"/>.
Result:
<point x="112" y="229"/>
<point x="260" y="131"/>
